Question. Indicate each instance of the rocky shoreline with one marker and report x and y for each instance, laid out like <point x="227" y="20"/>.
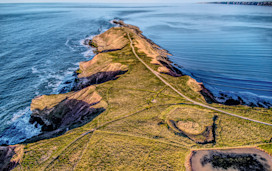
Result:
<point x="169" y="68"/>
<point x="58" y="113"/>
<point x="118" y="95"/>
<point x="10" y="156"/>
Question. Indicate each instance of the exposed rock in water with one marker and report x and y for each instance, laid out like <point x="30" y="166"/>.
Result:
<point x="10" y="156"/>
<point x="62" y="111"/>
<point x="59" y="112"/>
<point x="231" y="101"/>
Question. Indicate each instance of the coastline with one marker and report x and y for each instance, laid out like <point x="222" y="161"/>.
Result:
<point x="110" y="91"/>
<point x="90" y="74"/>
<point x="221" y="97"/>
<point x="113" y="72"/>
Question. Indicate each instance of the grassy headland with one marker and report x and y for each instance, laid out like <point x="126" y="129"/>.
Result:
<point x="144" y="124"/>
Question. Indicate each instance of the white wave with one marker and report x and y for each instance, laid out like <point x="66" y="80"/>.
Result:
<point x="18" y="114"/>
<point x="90" y="50"/>
<point x="111" y="21"/>
<point x="68" y="75"/>
<point x="20" y="129"/>
<point x="69" y="46"/>
<point x="34" y="70"/>
<point x="53" y="79"/>
<point x="221" y="96"/>
<point x="82" y="41"/>
<point x="89" y="53"/>
<point x="248" y="98"/>
<point x="114" y="24"/>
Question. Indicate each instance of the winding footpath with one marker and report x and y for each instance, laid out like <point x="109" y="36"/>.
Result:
<point x="47" y="164"/>
<point x="187" y="98"/>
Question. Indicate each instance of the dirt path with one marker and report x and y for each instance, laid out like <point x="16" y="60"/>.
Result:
<point x="187" y="98"/>
<point x="56" y="157"/>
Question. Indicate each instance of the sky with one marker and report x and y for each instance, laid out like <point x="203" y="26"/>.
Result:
<point x="114" y="1"/>
<point x="93" y="1"/>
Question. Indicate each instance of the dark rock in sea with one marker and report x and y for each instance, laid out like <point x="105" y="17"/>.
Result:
<point x="232" y="102"/>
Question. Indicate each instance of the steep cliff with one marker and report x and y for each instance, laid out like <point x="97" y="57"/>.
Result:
<point x="62" y="111"/>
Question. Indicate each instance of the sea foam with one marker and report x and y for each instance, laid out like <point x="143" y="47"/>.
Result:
<point x="20" y="129"/>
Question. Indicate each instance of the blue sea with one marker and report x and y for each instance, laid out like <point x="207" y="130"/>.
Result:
<point x="227" y="47"/>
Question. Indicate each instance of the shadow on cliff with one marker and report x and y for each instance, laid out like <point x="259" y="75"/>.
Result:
<point x="7" y="159"/>
<point x="97" y="78"/>
<point x="67" y="115"/>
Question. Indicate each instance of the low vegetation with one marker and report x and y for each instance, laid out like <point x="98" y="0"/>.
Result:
<point x="267" y="148"/>
<point x="197" y="124"/>
<point x="146" y="125"/>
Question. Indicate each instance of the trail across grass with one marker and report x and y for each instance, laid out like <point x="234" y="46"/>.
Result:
<point x="185" y="97"/>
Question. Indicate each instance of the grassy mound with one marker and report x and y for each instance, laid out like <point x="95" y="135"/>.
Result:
<point x="197" y="124"/>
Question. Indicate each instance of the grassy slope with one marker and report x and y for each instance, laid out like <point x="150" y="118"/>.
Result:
<point x="267" y="148"/>
<point x="135" y="140"/>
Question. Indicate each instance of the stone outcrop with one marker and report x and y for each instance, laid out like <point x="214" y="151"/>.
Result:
<point x="59" y="112"/>
<point x="200" y="88"/>
<point x="10" y="156"/>
<point x="100" y="69"/>
<point x="158" y="55"/>
<point x="62" y="111"/>
<point x="113" y="39"/>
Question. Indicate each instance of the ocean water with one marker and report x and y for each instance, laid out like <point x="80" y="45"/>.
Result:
<point x="227" y="47"/>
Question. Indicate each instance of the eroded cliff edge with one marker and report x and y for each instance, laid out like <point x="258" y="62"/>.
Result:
<point x="60" y="112"/>
<point x="141" y="116"/>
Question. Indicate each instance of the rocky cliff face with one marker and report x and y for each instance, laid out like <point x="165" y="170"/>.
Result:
<point x="59" y="112"/>
<point x="114" y="39"/>
<point x="200" y="88"/>
<point x="100" y="69"/>
<point x="158" y="55"/>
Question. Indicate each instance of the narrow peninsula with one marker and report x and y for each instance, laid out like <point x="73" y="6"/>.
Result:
<point x="131" y="109"/>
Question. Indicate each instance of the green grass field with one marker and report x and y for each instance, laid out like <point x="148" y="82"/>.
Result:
<point x="132" y="133"/>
